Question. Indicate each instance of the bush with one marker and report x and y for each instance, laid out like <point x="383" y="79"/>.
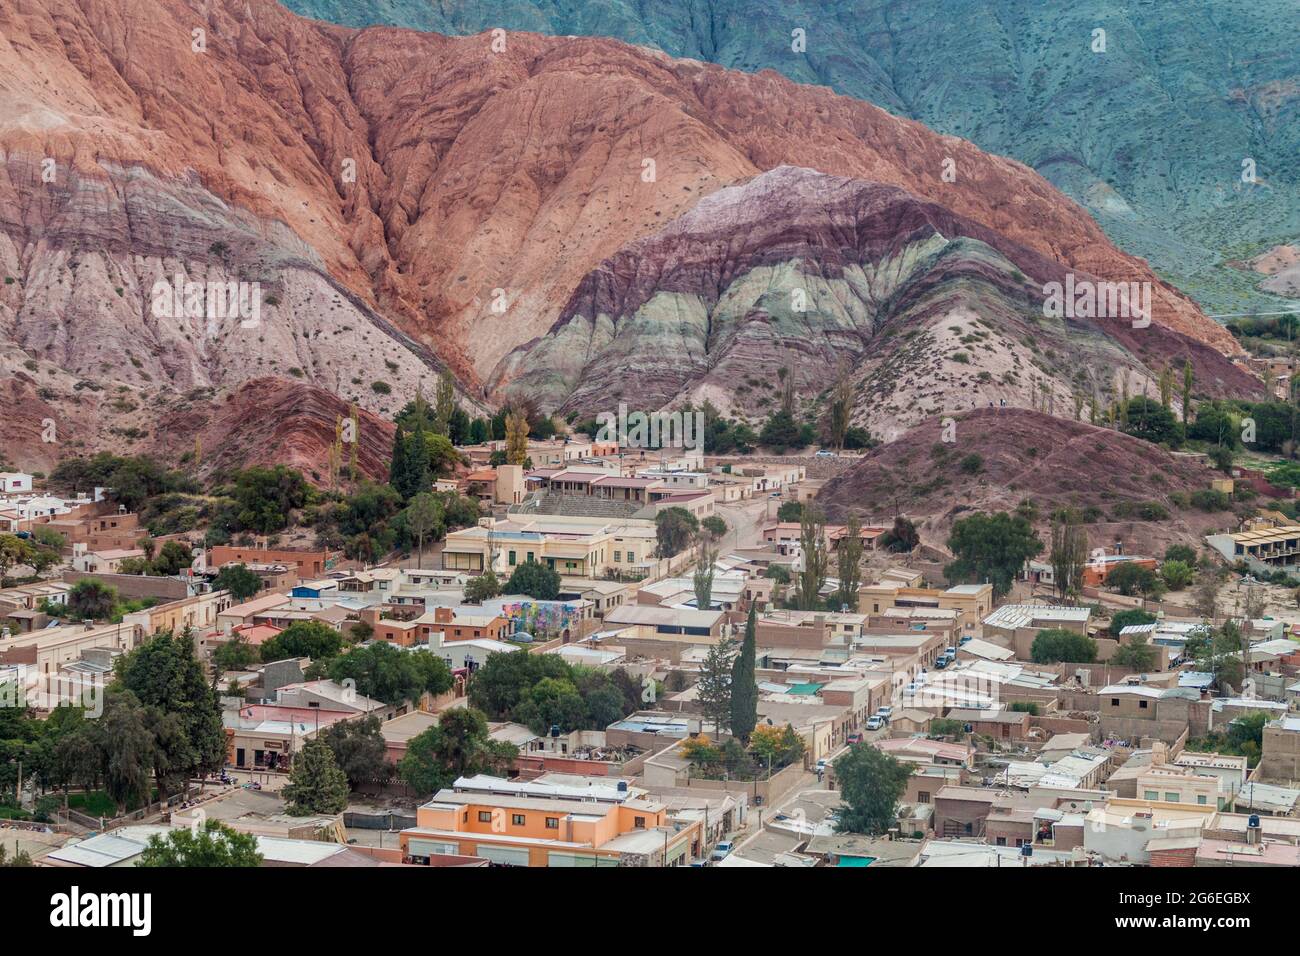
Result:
<point x="1055" y="645"/>
<point x="1207" y="499"/>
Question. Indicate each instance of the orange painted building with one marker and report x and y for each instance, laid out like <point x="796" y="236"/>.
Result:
<point x="514" y="829"/>
<point x="1095" y="572"/>
<point x="453" y="624"/>
<point x="310" y="564"/>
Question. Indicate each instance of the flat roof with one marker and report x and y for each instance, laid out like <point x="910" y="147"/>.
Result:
<point x="1011" y="616"/>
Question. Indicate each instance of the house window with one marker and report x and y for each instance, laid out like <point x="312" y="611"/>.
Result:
<point x="638" y="822"/>
<point x="1171" y="797"/>
<point x="618" y="557"/>
<point x="1151" y="795"/>
<point x="552" y="823"/>
<point x="923" y="796"/>
<point x="485" y="816"/>
<point x="1201" y="799"/>
<point x="1002" y="841"/>
<point x="1142" y="704"/>
<point x="512" y="559"/>
<point x="517" y="819"/>
<point x="1114" y="702"/>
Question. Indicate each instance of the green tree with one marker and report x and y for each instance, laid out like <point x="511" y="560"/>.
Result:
<point x="1122" y="619"/>
<point x="172" y="559"/>
<point x="715" y="526"/>
<point x="812" y="545"/>
<point x="424" y="517"/>
<point x="850" y="564"/>
<point x="703" y="578"/>
<point x="790" y="512"/>
<point x="91" y="598"/>
<point x="359" y="750"/>
<point x="265" y="497"/>
<point x="13" y="552"/>
<point x="871" y="783"/>
<point x="1218" y="652"/>
<point x="399" y="469"/>
<point x="482" y="588"/>
<point x="713" y="686"/>
<point x="181" y="708"/>
<point x="744" y="684"/>
<point x="1136" y="653"/>
<point x="422" y="768"/>
<point x="1053" y="645"/>
<point x="215" y="845"/>
<point x="444" y="403"/>
<point x="383" y="672"/>
<point x="552" y="702"/>
<point x="992" y="548"/>
<point x="516" y="438"/>
<point x="127" y="751"/>
<point x="303" y="639"/>
<point x="499" y="685"/>
<point x="235" y="654"/>
<point x="1147" y="419"/>
<point x="840" y="411"/>
<point x="674" y="529"/>
<point x="1130" y="578"/>
<point x="902" y="537"/>
<point x="238" y="580"/>
<point x="781" y="432"/>
<point x="538" y="581"/>
<point x="1069" y="553"/>
<point x="316" y="784"/>
<point x="1177" y="575"/>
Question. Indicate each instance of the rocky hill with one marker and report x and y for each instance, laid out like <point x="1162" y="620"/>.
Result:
<point x="1147" y="126"/>
<point x="401" y="199"/>
<point x="1002" y="457"/>
<point x="796" y="270"/>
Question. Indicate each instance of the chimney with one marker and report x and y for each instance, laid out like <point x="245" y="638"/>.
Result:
<point x="1159" y="753"/>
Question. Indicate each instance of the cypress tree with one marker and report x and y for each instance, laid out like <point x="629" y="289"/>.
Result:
<point x="418" y="476"/>
<point x="398" y="469"/>
<point x="744" y="686"/>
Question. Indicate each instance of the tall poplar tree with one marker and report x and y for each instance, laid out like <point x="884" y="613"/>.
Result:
<point x="744" y="685"/>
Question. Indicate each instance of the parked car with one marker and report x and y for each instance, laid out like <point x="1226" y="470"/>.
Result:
<point x="722" y="850"/>
<point x="874" y="722"/>
<point x="855" y="737"/>
<point x="942" y="662"/>
<point x="825" y="454"/>
<point x="884" y="713"/>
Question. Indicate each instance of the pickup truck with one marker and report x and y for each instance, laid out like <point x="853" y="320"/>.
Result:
<point x="722" y="850"/>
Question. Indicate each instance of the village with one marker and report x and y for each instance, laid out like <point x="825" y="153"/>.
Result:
<point x="652" y="659"/>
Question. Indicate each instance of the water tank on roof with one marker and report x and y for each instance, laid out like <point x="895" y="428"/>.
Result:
<point x="1026" y="849"/>
<point x="1253" y="821"/>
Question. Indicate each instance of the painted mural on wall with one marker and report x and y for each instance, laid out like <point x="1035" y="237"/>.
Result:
<point x="542" y="619"/>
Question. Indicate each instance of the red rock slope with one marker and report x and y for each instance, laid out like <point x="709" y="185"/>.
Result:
<point x="476" y="171"/>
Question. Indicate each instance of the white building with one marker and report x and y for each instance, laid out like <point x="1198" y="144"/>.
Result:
<point x="14" y="482"/>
